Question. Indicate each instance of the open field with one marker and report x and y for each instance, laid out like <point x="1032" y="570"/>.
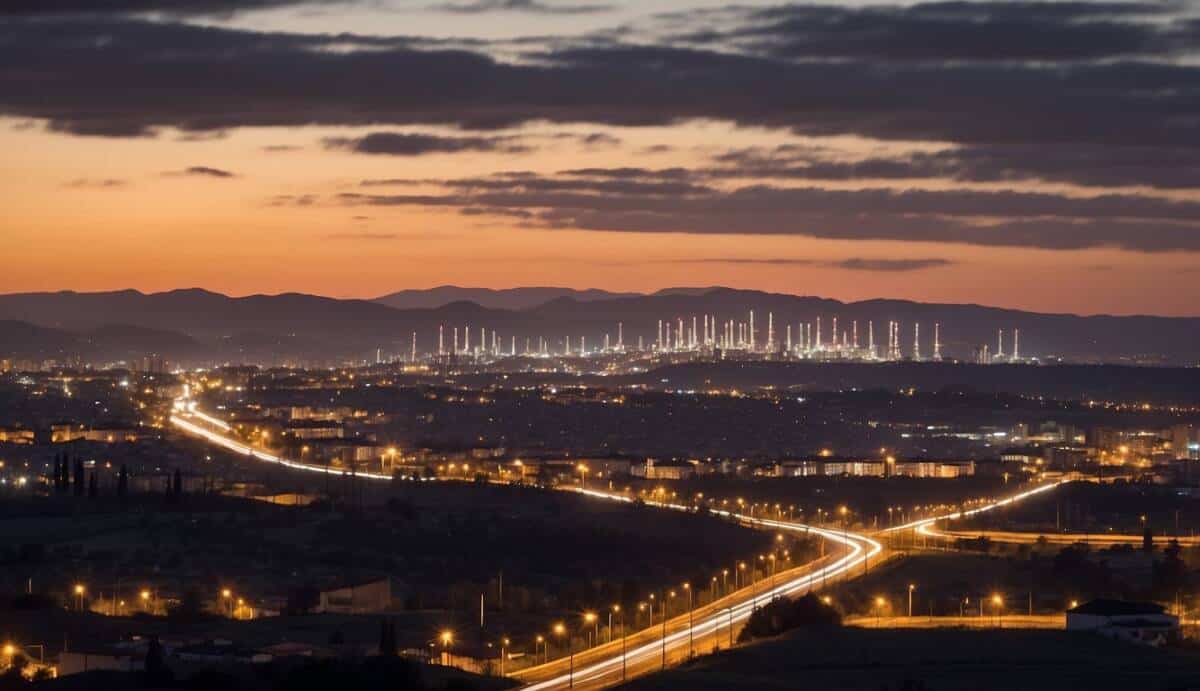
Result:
<point x="856" y="659"/>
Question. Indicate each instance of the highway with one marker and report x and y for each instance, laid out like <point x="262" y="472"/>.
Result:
<point x="702" y="630"/>
<point x="1027" y="538"/>
<point x="987" y="621"/>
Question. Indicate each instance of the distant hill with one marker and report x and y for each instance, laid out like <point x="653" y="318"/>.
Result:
<point x="505" y="298"/>
<point x="295" y="327"/>
<point x="111" y="342"/>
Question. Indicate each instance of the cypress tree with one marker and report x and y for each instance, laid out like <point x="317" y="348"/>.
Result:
<point x="56" y="472"/>
<point x="178" y="486"/>
<point x="78" y="477"/>
<point x="93" y="487"/>
<point x="122" y="482"/>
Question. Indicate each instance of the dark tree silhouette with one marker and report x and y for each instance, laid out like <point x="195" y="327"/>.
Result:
<point x="93" y="487"/>
<point x="122" y="482"/>
<point x="78" y="477"/>
<point x="177" y="486"/>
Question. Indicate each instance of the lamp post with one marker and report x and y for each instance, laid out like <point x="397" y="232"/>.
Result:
<point x="503" y="654"/>
<point x="447" y="637"/>
<point x="79" y="591"/>
<point x="879" y="603"/>
<point x="559" y="630"/>
<point x="998" y="607"/>
<point x="621" y="622"/>
<point x="691" y="649"/>
<point x="911" y="588"/>
<point x="664" y="630"/>
<point x="591" y="618"/>
<point x="539" y="641"/>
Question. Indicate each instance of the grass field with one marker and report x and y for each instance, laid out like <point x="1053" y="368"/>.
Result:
<point x="935" y="659"/>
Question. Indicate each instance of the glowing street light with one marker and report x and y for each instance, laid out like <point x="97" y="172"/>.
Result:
<point x="446" y="637"/>
<point x="560" y="630"/>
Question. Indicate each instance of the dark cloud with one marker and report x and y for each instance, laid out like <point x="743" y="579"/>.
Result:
<point x="121" y="78"/>
<point x="853" y="264"/>
<point x="858" y="264"/>
<point x="530" y="6"/>
<point x="1100" y="166"/>
<point x="600" y="139"/>
<point x="407" y="144"/>
<point x="169" y="7"/>
<point x="960" y="31"/>
<point x="1000" y="219"/>
<point x="201" y="171"/>
<point x="362" y="236"/>
<point x="95" y="183"/>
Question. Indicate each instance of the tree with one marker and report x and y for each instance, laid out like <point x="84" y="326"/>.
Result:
<point x="57" y="472"/>
<point x="93" y="488"/>
<point x="157" y="672"/>
<point x="79" y="472"/>
<point x="177" y="486"/>
<point x="122" y="482"/>
<point x="387" y="637"/>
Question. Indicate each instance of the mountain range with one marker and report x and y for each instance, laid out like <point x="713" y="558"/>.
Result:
<point x="200" y="326"/>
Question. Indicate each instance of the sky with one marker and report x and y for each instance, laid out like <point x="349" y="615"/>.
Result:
<point x="1035" y="155"/>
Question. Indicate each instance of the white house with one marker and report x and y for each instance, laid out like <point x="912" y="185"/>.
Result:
<point x="1146" y="623"/>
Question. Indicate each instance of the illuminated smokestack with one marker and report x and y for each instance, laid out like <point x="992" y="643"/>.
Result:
<point x="818" y="344"/>
<point x="854" y="330"/>
<point x="1016" y="354"/>
<point x="788" y="345"/>
<point x="620" y="336"/>
<point x="441" y="340"/>
<point x="999" y="343"/>
<point x="751" y="339"/>
<point x="413" y="357"/>
<point x="871" y="337"/>
<point x="770" y="331"/>
<point x="937" y="342"/>
<point x="835" y="332"/>
<point x="917" y="341"/>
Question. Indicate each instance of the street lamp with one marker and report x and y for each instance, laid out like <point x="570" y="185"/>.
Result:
<point x="621" y="622"/>
<point x="911" y="588"/>
<point x="591" y="618"/>
<point x="540" y="640"/>
<point x="691" y="649"/>
<point x="503" y="654"/>
<point x="446" y="637"/>
<point x="879" y="603"/>
<point x="998" y="605"/>
<point x="560" y="630"/>
<point x="79" y="591"/>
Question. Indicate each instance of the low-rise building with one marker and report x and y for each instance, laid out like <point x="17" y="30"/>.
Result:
<point x="359" y="598"/>
<point x="1146" y="623"/>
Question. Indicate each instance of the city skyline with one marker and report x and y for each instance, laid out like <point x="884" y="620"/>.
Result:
<point x="353" y="149"/>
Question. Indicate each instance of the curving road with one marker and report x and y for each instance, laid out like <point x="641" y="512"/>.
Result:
<point x="706" y="628"/>
<point x="702" y="630"/>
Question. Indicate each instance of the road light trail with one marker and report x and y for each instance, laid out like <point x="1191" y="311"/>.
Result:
<point x="739" y="606"/>
<point x="921" y="523"/>
<point x="733" y="609"/>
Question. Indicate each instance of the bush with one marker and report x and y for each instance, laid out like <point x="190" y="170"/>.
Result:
<point x="782" y="615"/>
